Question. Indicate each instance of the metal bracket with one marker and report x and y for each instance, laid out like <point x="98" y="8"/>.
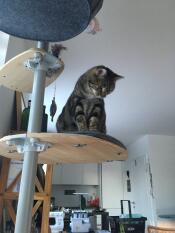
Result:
<point x="32" y="63"/>
<point x="28" y="144"/>
<point x="46" y="62"/>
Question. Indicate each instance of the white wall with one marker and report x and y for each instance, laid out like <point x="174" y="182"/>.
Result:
<point x="17" y="45"/>
<point x="3" y="46"/>
<point x="6" y="96"/>
<point x="162" y="159"/>
<point x="138" y="148"/>
<point x="6" y="105"/>
<point x="9" y="48"/>
<point x="159" y="151"/>
<point x="137" y="41"/>
<point x="141" y="198"/>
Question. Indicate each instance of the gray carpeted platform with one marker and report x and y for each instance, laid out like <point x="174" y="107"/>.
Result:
<point x="44" y="20"/>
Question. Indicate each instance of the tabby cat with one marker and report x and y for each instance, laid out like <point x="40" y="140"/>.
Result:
<point x="85" y="108"/>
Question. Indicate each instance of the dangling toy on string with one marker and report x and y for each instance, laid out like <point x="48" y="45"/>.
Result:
<point x="53" y="106"/>
<point x="93" y="27"/>
<point x="55" y="50"/>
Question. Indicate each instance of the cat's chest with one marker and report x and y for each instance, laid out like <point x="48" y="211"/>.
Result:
<point x="89" y="105"/>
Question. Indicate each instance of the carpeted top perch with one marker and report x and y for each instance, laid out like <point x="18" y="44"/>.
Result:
<point x="44" y="20"/>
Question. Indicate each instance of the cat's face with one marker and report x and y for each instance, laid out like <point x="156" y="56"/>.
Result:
<point x="101" y="81"/>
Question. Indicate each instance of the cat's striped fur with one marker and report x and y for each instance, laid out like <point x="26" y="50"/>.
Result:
<point x="85" y="108"/>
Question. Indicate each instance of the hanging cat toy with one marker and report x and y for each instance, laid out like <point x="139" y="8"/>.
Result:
<point x="93" y="27"/>
<point x="55" y="50"/>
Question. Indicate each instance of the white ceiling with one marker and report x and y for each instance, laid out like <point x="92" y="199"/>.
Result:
<point x="137" y="41"/>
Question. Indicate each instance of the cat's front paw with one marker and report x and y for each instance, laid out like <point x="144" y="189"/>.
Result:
<point x="93" y="124"/>
<point x="81" y="123"/>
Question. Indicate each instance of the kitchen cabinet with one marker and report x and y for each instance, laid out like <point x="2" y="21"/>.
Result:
<point x="72" y="174"/>
<point x="112" y="186"/>
<point x="75" y="174"/>
<point x="57" y="174"/>
<point x="90" y="174"/>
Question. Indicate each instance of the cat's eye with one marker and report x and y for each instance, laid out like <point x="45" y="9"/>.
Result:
<point x="93" y="85"/>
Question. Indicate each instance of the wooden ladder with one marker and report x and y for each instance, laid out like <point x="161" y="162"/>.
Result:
<point x="41" y="197"/>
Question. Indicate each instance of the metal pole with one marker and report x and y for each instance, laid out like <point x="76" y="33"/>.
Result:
<point x="25" y="203"/>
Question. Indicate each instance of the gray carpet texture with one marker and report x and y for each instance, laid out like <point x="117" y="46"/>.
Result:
<point x="44" y="20"/>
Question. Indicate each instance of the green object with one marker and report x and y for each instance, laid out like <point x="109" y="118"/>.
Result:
<point x="25" y="118"/>
<point x="83" y="202"/>
<point x="122" y="229"/>
<point x="44" y="120"/>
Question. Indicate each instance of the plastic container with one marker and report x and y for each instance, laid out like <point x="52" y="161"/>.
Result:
<point x="127" y="223"/>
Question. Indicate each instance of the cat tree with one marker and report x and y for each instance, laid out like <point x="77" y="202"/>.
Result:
<point x="45" y="21"/>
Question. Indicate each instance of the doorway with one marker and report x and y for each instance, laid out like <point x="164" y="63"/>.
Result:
<point x="141" y="189"/>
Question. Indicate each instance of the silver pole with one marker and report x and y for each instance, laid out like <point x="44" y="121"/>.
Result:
<point x="25" y="203"/>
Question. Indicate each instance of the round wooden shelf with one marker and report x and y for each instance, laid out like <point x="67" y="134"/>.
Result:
<point x="70" y="148"/>
<point x="14" y="75"/>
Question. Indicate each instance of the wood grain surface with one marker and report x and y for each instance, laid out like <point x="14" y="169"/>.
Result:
<point x="69" y="148"/>
<point x="14" y="75"/>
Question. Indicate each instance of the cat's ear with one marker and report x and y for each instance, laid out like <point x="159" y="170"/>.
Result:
<point x="113" y="75"/>
<point x="100" y="72"/>
<point x="117" y="77"/>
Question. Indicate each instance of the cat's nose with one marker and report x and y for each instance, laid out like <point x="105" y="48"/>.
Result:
<point x="103" y="94"/>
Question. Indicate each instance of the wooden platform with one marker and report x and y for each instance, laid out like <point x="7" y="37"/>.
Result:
<point x="70" y="148"/>
<point x="14" y="75"/>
